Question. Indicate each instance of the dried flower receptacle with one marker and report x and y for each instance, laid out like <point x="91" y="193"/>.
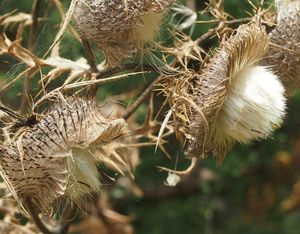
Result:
<point x="120" y="28"/>
<point x="230" y="100"/>
<point x="234" y="97"/>
<point x="57" y="156"/>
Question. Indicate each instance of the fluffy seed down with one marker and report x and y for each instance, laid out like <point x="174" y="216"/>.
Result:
<point x="253" y="108"/>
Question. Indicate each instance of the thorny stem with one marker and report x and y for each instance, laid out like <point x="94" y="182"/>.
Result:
<point x="66" y="218"/>
<point x="92" y="62"/>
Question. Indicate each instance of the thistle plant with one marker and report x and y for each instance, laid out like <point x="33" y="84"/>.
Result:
<point x="52" y="146"/>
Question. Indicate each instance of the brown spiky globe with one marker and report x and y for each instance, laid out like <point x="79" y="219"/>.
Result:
<point x="120" y="28"/>
<point x="57" y="156"/>
<point x="284" y="54"/>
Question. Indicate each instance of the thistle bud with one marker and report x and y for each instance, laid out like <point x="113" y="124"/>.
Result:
<point x="119" y="28"/>
<point x="56" y="157"/>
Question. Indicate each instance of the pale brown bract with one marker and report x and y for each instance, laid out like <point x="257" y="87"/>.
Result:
<point x="57" y="156"/>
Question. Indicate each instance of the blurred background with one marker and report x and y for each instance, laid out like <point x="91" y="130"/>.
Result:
<point x="255" y="190"/>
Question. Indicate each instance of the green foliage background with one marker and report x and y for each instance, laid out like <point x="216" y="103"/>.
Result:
<point x="251" y="183"/>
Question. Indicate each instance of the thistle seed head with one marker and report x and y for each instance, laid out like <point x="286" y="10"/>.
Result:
<point x="284" y="54"/>
<point x="119" y="28"/>
<point x="55" y="157"/>
<point x="229" y="100"/>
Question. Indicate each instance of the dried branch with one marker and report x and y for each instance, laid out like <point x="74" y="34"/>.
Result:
<point x="35" y="217"/>
<point x="145" y="94"/>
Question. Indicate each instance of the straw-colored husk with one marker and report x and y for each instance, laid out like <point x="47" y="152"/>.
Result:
<point x="284" y="54"/>
<point x="245" y="48"/>
<point x="56" y="157"/>
<point x="119" y="28"/>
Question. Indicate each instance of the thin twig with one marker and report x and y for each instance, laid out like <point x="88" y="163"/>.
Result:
<point x="210" y="33"/>
<point x="146" y="93"/>
<point x="30" y="207"/>
<point x="11" y="112"/>
<point x="89" y="55"/>
<point x="58" y="4"/>
<point x="184" y="172"/>
<point x="127" y="67"/>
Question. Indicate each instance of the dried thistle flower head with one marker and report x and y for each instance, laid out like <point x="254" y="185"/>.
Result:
<point x="56" y="157"/>
<point x="120" y="28"/>
<point x="233" y="96"/>
<point x="284" y="54"/>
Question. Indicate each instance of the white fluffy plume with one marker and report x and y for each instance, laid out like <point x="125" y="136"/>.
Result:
<point x="255" y="105"/>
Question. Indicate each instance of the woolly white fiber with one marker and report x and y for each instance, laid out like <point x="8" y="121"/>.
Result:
<point x="255" y="105"/>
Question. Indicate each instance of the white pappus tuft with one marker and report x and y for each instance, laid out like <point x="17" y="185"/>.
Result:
<point x="254" y="107"/>
<point x="172" y="179"/>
